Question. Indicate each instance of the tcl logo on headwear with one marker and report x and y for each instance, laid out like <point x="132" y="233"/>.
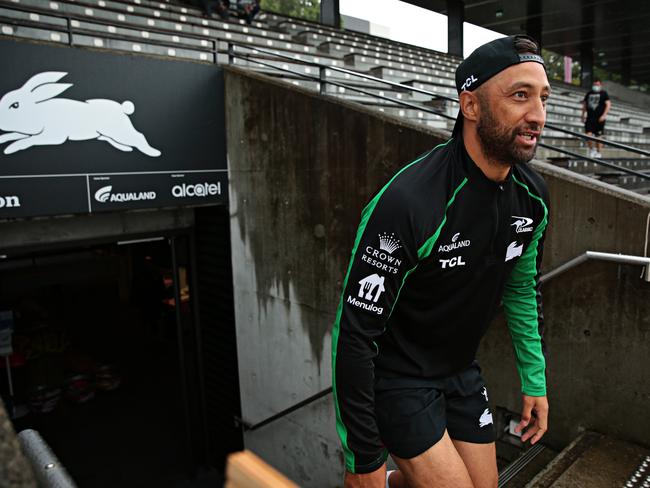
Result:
<point x="104" y="195"/>
<point x="9" y="201"/>
<point x="196" y="190"/>
<point x="468" y="82"/>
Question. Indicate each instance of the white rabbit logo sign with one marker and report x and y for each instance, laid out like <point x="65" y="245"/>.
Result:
<point x="31" y="116"/>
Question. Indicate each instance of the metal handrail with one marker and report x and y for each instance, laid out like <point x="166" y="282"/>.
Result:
<point x="71" y="31"/>
<point x="401" y="86"/>
<point x="49" y="471"/>
<point x="348" y="87"/>
<point x="322" y="79"/>
<point x="247" y="426"/>
<point x="602" y="256"/>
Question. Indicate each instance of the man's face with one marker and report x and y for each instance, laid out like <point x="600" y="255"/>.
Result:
<point x="512" y="113"/>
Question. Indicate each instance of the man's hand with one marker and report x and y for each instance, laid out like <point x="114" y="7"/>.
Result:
<point x="376" y="479"/>
<point x="538" y="423"/>
<point x="602" y="118"/>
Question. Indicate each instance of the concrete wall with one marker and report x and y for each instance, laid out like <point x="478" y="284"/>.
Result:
<point x="301" y="169"/>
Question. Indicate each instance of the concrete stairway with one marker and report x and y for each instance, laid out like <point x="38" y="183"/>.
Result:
<point x="592" y="460"/>
<point x="596" y="461"/>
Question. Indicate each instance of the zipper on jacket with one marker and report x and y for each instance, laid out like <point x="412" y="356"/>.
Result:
<point x="497" y="218"/>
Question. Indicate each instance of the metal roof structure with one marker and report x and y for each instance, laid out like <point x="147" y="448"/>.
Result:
<point x="614" y="33"/>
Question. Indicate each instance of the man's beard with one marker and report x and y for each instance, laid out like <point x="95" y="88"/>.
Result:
<point x="498" y="142"/>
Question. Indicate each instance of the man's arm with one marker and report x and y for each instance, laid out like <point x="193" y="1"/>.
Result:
<point x="522" y="302"/>
<point x="385" y="250"/>
<point x="608" y="106"/>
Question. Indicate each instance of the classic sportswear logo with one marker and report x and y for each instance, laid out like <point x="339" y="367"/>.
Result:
<point x="486" y="418"/>
<point x="105" y="194"/>
<point x="456" y="243"/>
<point x="388" y="243"/>
<point x="514" y="250"/>
<point x="522" y="224"/>
<point x="9" y="201"/>
<point x="484" y="393"/>
<point x="382" y="258"/>
<point x="196" y="190"/>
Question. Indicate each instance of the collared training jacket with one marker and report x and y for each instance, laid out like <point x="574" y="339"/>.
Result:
<point x="439" y="247"/>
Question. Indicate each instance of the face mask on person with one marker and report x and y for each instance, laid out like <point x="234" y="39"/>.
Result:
<point x="595" y="88"/>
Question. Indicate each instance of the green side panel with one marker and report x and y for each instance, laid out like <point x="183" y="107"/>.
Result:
<point x="365" y="217"/>
<point x="520" y="305"/>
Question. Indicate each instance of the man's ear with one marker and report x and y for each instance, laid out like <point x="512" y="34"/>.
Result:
<point x="469" y="105"/>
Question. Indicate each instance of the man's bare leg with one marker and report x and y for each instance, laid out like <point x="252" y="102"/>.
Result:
<point x="480" y="461"/>
<point x="440" y="466"/>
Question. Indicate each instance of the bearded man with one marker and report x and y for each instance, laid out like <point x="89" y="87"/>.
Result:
<point x="451" y="236"/>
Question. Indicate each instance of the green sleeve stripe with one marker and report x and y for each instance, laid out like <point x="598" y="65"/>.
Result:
<point x="365" y="217"/>
<point x="521" y="310"/>
<point x="427" y="247"/>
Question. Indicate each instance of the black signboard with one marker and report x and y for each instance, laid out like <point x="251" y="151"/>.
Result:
<point x="87" y="131"/>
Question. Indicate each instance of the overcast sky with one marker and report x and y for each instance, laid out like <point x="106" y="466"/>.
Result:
<point x="414" y="25"/>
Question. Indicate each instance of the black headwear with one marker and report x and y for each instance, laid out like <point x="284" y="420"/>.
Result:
<point x="487" y="61"/>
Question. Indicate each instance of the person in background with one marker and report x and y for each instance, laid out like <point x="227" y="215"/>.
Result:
<point x="595" y="107"/>
<point x="248" y="9"/>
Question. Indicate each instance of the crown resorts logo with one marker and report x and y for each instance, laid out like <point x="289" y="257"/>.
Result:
<point x="388" y="243"/>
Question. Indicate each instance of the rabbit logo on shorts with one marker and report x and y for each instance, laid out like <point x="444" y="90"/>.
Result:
<point x="31" y="116"/>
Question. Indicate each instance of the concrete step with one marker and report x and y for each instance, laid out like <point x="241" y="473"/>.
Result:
<point x="525" y="466"/>
<point x="596" y="460"/>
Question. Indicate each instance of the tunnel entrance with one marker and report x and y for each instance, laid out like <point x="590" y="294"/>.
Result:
<point x="116" y="357"/>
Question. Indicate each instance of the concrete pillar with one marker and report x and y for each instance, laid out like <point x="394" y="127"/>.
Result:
<point x="626" y="71"/>
<point x="534" y="20"/>
<point x="587" y="44"/>
<point x="586" y="65"/>
<point x="330" y="13"/>
<point x="626" y="65"/>
<point x="455" y="19"/>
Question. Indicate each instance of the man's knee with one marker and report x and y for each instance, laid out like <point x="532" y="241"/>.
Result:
<point x="488" y="481"/>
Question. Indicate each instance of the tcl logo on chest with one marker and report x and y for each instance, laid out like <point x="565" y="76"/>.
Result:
<point x="196" y="190"/>
<point x="452" y="263"/>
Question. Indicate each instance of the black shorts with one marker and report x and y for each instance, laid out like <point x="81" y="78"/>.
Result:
<point x="412" y="413"/>
<point x="592" y="125"/>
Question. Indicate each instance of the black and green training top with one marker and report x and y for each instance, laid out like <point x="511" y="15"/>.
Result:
<point x="438" y="248"/>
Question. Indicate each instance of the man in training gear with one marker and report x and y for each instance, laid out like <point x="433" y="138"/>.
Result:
<point x="451" y="236"/>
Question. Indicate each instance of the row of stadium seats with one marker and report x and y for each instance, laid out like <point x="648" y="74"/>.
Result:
<point x="172" y="30"/>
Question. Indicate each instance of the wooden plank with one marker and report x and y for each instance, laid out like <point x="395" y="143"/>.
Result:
<point x="245" y="470"/>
